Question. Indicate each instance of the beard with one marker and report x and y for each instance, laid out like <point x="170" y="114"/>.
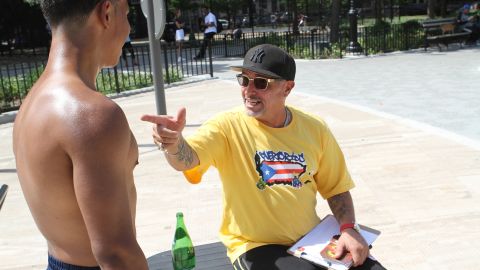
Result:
<point x="254" y="107"/>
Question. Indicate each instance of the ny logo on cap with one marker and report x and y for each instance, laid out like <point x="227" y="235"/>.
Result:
<point x="257" y="56"/>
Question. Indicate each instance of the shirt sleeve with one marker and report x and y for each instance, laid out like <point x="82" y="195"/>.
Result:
<point x="332" y="177"/>
<point x="210" y="145"/>
<point x="211" y="19"/>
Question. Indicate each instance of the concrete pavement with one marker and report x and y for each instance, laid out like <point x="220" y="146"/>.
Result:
<point x="417" y="184"/>
<point x="437" y="88"/>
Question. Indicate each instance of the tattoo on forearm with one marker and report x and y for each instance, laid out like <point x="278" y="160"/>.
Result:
<point x="185" y="153"/>
<point x="342" y="206"/>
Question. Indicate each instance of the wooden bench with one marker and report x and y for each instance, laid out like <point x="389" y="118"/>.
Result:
<point x="437" y="23"/>
<point x="443" y="32"/>
<point x="446" y="39"/>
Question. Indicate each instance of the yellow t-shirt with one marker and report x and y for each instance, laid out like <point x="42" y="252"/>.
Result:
<point x="270" y="176"/>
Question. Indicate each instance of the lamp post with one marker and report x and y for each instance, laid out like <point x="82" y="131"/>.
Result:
<point x="353" y="45"/>
<point x="250" y="15"/>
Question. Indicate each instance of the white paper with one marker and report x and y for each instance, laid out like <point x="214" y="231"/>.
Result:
<point x="318" y="238"/>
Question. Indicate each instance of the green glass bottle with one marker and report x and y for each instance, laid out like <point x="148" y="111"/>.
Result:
<point x="183" y="253"/>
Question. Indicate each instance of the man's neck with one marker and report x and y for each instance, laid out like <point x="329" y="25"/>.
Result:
<point x="66" y="56"/>
<point x="279" y="120"/>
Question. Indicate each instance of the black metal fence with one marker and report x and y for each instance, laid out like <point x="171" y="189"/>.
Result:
<point x="317" y="44"/>
<point x="15" y="81"/>
<point x="134" y="69"/>
<point x="389" y="38"/>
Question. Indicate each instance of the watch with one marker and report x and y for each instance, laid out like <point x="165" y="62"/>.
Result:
<point x="354" y="226"/>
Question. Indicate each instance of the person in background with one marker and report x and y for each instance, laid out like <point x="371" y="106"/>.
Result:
<point x="273" y="159"/>
<point x="467" y="20"/>
<point x="77" y="178"/>
<point x="302" y="22"/>
<point x="273" y="20"/>
<point x="475" y="19"/>
<point x="179" y="33"/>
<point x="463" y="17"/>
<point x="244" y="21"/>
<point x="127" y="46"/>
<point x="237" y="32"/>
<point x="210" y="24"/>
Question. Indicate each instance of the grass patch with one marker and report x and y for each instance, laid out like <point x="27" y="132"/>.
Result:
<point x="396" y="20"/>
<point x="109" y="81"/>
<point x="13" y="89"/>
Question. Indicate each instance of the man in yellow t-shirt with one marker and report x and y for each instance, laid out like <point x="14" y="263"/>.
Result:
<point x="272" y="160"/>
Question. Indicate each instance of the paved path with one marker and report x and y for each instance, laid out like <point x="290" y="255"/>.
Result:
<point x="414" y="183"/>
<point x="441" y="89"/>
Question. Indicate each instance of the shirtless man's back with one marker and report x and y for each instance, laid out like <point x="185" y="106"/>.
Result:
<point x="74" y="150"/>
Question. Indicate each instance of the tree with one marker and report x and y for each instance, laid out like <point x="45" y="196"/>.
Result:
<point x="431" y="8"/>
<point x="22" y="23"/>
<point x="443" y="8"/>
<point x="294" y="16"/>
<point x="378" y="10"/>
<point x="335" y="20"/>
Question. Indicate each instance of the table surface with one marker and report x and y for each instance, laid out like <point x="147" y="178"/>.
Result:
<point x="209" y="256"/>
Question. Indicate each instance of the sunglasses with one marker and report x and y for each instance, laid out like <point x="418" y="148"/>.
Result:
<point x="259" y="82"/>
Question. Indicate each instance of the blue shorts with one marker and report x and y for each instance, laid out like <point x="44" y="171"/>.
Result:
<point x="54" y="264"/>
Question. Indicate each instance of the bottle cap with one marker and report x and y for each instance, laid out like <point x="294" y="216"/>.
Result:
<point x="179" y="214"/>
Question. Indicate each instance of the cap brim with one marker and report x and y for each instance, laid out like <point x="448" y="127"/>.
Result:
<point x="256" y="70"/>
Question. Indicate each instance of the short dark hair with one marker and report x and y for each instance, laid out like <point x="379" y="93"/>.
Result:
<point x="56" y="11"/>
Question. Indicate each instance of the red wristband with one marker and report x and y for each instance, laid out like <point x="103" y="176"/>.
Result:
<point x="347" y="226"/>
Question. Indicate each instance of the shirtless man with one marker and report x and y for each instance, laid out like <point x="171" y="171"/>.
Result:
<point x="74" y="150"/>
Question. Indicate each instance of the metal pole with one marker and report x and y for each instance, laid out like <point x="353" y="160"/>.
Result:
<point x="251" y="16"/>
<point x="353" y="46"/>
<point x="156" y="60"/>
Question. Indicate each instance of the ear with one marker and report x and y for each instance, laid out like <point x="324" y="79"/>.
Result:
<point x="105" y="10"/>
<point x="288" y="87"/>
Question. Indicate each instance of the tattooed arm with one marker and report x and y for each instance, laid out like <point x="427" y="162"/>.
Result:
<point x="342" y="207"/>
<point x="183" y="158"/>
<point x="350" y="240"/>
<point x="167" y="135"/>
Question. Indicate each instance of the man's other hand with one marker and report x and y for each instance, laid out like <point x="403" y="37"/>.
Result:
<point x="167" y="129"/>
<point x="350" y="240"/>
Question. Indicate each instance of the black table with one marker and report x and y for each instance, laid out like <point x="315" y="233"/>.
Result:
<point x="208" y="257"/>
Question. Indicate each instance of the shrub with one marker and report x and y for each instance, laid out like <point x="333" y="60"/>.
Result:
<point x="107" y="84"/>
<point x="381" y="26"/>
<point x="14" y="88"/>
<point x="411" y="25"/>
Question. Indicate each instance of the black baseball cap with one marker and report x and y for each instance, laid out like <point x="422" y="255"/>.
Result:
<point x="269" y="60"/>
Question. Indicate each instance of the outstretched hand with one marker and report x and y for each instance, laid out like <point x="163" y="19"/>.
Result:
<point x="351" y="241"/>
<point x="167" y="130"/>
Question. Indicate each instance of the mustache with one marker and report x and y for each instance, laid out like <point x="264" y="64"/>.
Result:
<point x="251" y="98"/>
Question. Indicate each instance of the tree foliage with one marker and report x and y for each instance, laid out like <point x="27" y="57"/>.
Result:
<point x="22" y="22"/>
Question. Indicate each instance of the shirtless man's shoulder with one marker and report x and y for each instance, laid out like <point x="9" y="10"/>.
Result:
<point x="71" y="143"/>
<point x="69" y="111"/>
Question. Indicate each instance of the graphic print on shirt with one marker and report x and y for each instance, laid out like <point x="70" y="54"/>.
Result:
<point x="279" y="168"/>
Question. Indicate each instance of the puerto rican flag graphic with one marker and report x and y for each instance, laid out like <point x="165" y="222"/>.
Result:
<point x="281" y="172"/>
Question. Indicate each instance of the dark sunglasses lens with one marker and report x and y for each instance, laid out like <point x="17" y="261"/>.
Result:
<point x="260" y="83"/>
<point x="242" y="80"/>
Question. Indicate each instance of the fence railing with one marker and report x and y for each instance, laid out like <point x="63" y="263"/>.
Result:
<point x="134" y="69"/>
<point x="317" y="44"/>
<point x="390" y="38"/>
<point x="16" y="79"/>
